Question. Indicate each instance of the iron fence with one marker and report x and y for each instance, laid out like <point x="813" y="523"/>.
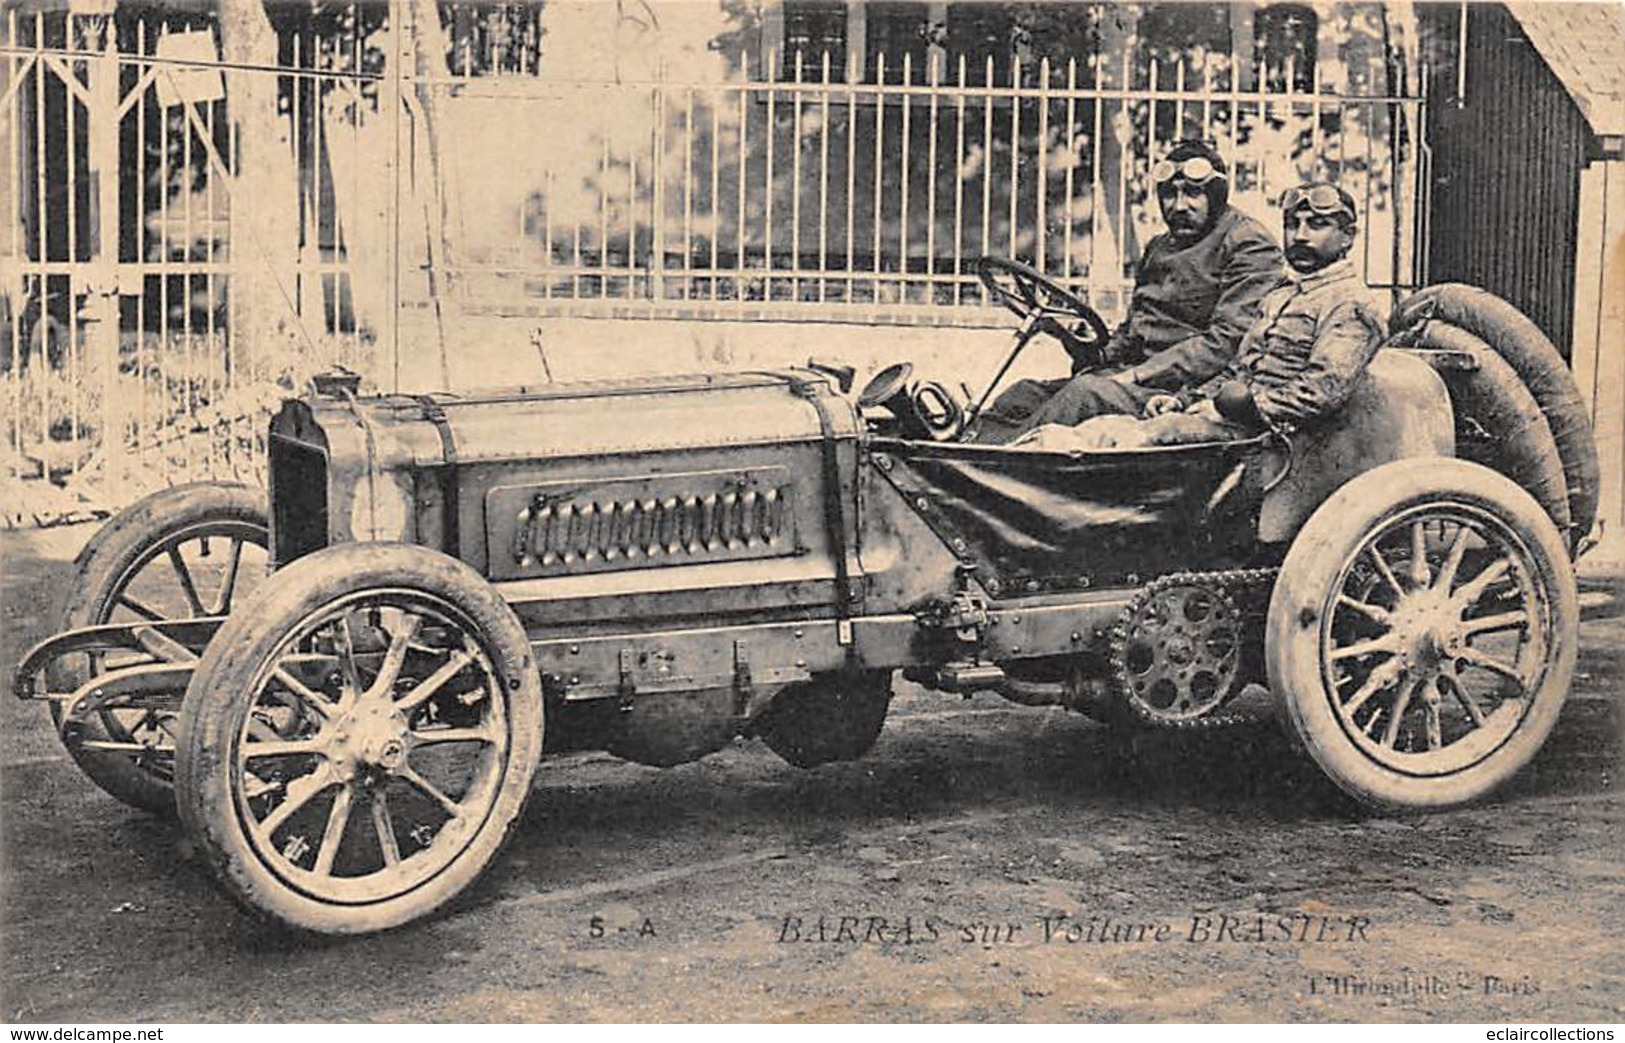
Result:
<point x="811" y="190"/>
<point x="125" y="232"/>
<point x="163" y="281"/>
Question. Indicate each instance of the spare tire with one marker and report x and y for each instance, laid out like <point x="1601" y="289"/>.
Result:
<point x="1496" y="398"/>
<point x="1518" y="340"/>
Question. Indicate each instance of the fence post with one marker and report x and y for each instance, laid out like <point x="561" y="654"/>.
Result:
<point x="657" y="175"/>
<point x="99" y="318"/>
<point x="399" y="53"/>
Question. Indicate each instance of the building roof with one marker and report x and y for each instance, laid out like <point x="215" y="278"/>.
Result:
<point x="1583" y="43"/>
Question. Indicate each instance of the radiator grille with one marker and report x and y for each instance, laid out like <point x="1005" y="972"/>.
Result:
<point x="298" y="489"/>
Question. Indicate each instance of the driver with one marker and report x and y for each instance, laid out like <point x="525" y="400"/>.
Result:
<point x="1298" y="363"/>
<point x="1197" y="289"/>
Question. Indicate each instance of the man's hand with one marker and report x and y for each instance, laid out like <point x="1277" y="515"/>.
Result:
<point x="1113" y="351"/>
<point x="1042" y="431"/>
<point x="1204" y="409"/>
<point x="1157" y="405"/>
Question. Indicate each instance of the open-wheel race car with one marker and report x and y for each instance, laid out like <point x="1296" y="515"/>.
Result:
<point x="344" y="692"/>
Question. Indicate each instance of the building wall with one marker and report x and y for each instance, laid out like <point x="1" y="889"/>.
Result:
<point x="1506" y="161"/>
<point x="1599" y="325"/>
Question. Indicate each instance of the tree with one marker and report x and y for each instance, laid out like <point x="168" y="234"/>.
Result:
<point x="264" y="200"/>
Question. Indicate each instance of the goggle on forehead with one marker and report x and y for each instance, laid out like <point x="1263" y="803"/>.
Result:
<point x="1198" y="170"/>
<point x="1322" y="199"/>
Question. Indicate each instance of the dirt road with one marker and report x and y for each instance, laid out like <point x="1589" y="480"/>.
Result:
<point x="984" y="863"/>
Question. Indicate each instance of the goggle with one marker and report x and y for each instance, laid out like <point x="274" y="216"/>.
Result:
<point x="1321" y="198"/>
<point x="1198" y="170"/>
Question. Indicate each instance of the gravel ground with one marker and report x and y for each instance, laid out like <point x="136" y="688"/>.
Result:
<point x="985" y="862"/>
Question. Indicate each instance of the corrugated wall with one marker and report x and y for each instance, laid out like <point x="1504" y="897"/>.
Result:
<point x="1507" y="160"/>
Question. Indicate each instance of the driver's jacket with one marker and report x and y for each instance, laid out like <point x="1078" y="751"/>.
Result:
<point x="1192" y="303"/>
<point x="1311" y="343"/>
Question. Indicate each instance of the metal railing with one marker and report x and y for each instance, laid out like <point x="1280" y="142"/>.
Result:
<point x="811" y="191"/>
<point x="122" y="196"/>
<point x="136" y="248"/>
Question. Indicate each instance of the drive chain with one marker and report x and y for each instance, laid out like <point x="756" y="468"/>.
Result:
<point x="1229" y="587"/>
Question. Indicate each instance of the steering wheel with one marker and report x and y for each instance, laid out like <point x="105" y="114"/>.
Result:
<point x="1045" y="304"/>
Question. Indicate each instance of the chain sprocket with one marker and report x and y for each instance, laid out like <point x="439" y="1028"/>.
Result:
<point x="1178" y="651"/>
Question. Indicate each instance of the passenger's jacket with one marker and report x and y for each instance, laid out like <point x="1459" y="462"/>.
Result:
<point x="1312" y="342"/>
<point x="1192" y="304"/>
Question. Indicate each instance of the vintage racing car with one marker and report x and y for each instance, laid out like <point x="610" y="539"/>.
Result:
<point x="344" y="692"/>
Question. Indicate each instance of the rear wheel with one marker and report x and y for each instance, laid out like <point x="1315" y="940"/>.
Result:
<point x="356" y="744"/>
<point x="194" y="550"/>
<point x="1422" y="634"/>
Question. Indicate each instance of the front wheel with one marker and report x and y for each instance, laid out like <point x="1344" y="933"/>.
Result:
<point x="357" y="742"/>
<point x="1422" y="634"/>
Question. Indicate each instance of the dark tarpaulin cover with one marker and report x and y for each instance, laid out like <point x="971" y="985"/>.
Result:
<point x="1035" y="520"/>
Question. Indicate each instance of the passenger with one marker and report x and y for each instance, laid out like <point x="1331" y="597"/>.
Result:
<point x="1197" y="289"/>
<point x="1298" y="363"/>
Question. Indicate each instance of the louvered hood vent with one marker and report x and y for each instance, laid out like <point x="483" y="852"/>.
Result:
<point x="648" y="522"/>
